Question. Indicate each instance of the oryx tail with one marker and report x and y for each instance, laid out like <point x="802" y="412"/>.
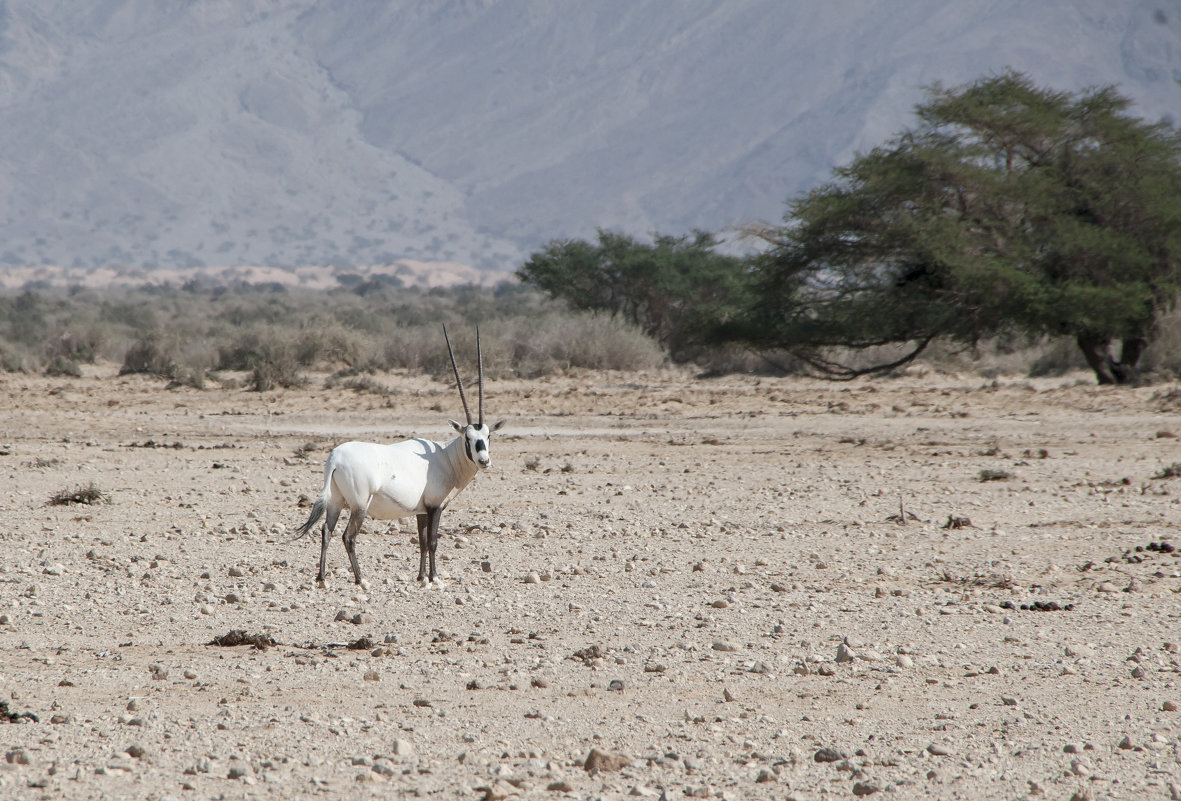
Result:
<point x="317" y="511"/>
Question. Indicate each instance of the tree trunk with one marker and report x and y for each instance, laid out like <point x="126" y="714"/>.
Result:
<point x="1129" y="357"/>
<point x="1097" y="351"/>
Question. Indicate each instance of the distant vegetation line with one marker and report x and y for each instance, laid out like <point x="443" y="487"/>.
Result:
<point x="263" y="337"/>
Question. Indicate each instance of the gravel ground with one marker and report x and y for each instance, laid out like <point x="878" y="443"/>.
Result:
<point x="924" y="587"/>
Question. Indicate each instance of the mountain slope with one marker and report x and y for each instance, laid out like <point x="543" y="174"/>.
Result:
<point x="293" y="132"/>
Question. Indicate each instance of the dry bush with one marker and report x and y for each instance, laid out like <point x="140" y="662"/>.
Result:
<point x="267" y="353"/>
<point x="530" y="347"/>
<point x="79" y="495"/>
<point x="155" y="353"/>
<point x="62" y="367"/>
<point x="16" y="358"/>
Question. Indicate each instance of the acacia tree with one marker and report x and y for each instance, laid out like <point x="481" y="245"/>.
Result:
<point x="1009" y="208"/>
<point x="667" y="288"/>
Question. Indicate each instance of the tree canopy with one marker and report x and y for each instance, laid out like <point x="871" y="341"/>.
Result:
<point x="1009" y="208"/>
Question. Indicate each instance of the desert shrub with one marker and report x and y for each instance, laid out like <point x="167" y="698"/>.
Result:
<point x="25" y="318"/>
<point x="267" y="375"/>
<point x="162" y="354"/>
<point x="328" y="343"/>
<point x="595" y="341"/>
<point x="155" y="353"/>
<point x="267" y="353"/>
<point x="63" y="367"/>
<point x="78" y="344"/>
<point x="15" y="358"/>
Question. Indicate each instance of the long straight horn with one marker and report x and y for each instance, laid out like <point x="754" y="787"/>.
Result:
<point x="458" y="380"/>
<point x="480" y="363"/>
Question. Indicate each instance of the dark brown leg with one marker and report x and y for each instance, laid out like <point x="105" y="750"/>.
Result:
<point x="423" y="521"/>
<point x="356" y="520"/>
<point x="433" y="526"/>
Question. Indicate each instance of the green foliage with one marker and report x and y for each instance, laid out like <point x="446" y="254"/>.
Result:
<point x="1009" y="209"/>
<point x="669" y="289"/>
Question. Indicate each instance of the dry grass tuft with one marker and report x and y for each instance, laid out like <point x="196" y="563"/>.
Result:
<point x="80" y="495"/>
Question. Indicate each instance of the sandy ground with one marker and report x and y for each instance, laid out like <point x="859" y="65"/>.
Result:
<point x="706" y="581"/>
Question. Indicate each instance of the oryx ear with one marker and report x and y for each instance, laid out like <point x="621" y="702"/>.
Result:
<point x="496" y="427"/>
<point x="456" y="426"/>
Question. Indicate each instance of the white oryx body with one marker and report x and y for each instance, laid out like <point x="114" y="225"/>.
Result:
<point x="413" y="478"/>
<point x="389" y="482"/>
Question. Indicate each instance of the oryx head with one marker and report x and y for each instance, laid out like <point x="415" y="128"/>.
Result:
<point x="475" y="435"/>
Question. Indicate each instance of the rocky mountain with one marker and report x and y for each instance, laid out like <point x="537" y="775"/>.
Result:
<point x="162" y="134"/>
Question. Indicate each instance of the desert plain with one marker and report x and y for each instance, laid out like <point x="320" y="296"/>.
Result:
<point x="665" y="586"/>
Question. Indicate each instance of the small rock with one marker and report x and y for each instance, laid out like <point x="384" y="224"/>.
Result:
<point x="938" y="749"/>
<point x="236" y="772"/>
<point x="1126" y="744"/>
<point x="499" y="791"/>
<point x="844" y="654"/>
<point x="615" y="685"/>
<point x="236" y="572"/>
<point x="136" y="751"/>
<point x="723" y="645"/>
<point x="533" y="578"/>
<point x="865" y="788"/>
<point x="486" y="566"/>
<point x="603" y="762"/>
<point x="828" y="754"/>
<point x="1080" y="767"/>
<point x="1008" y="700"/>
<point x="1107" y="586"/>
<point x="1169" y="706"/>
<point x="765" y="777"/>
<point x="403" y="748"/>
<point x="560" y="786"/>
<point x="904" y="661"/>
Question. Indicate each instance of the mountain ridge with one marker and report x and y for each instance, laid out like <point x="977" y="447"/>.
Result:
<point x="158" y="135"/>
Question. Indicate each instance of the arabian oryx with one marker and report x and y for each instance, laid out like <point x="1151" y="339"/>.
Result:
<point x="414" y="477"/>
